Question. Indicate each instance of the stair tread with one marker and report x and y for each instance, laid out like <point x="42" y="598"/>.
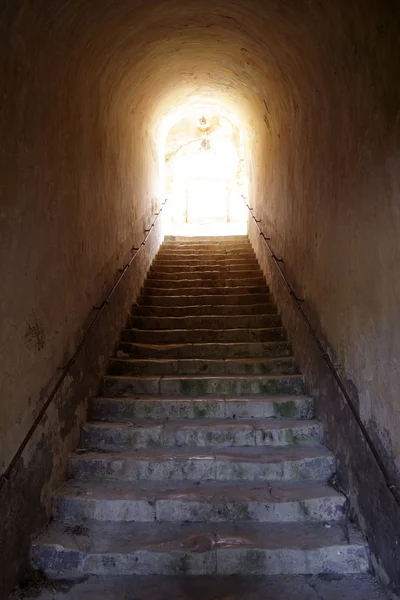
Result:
<point x="265" y="454"/>
<point x="295" y="376"/>
<point x="200" y="587"/>
<point x="202" y="491"/>
<point x="224" y="329"/>
<point x="222" y="424"/>
<point x="128" y="537"/>
<point x="216" y="398"/>
<point x="239" y="360"/>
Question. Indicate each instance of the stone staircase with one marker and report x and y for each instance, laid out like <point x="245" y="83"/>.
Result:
<point x="202" y="455"/>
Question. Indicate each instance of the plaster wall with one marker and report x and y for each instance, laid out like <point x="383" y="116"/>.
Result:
<point x="76" y="194"/>
<point x="331" y="205"/>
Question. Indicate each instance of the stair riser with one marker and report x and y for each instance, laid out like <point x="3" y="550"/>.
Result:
<point x="200" y="266"/>
<point x="202" y="387"/>
<point x="206" y="291"/>
<point x="227" y="247"/>
<point x="211" y="300"/>
<point x="115" y="409"/>
<point x="255" y="561"/>
<point x="205" y="322"/>
<point x="179" y="273"/>
<point x="202" y="367"/>
<point x="218" y="282"/>
<point x="124" y="469"/>
<point x="242" y="253"/>
<point x="102" y="438"/>
<point x="211" y="310"/>
<point x="146" y="336"/>
<point x="267" y="350"/>
<point x="78" y="509"/>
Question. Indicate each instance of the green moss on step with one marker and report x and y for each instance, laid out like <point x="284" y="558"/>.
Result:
<point x="285" y="409"/>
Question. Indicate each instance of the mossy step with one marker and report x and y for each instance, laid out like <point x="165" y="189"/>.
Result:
<point x="203" y="350"/>
<point x="205" y="501"/>
<point x="197" y="336"/>
<point x="203" y="385"/>
<point x="160" y="408"/>
<point x="206" y="322"/>
<point x="179" y="299"/>
<point x="219" y="290"/>
<point x="199" y="433"/>
<point x="203" y="310"/>
<point x="203" y="366"/>
<point x="197" y="548"/>
<point x="172" y="274"/>
<point x="268" y="463"/>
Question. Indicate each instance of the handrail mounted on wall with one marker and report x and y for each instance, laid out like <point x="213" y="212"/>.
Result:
<point x="99" y="311"/>
<point x="298" y="303"/>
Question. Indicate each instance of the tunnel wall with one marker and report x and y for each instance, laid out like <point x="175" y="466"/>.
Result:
<point x="77" y="193"/>
<point x="330" y="202"/>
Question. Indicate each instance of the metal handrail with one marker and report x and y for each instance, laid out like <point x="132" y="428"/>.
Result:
<point x="385" y="473"/>
<point x="100" y="309"/>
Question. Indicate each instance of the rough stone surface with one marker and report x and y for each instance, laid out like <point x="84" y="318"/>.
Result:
<point x="215" y="492"/>
<point x="213" y="587"/>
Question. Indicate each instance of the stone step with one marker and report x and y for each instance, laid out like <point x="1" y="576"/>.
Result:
<point x="206" y="291"/>
<point x="192" y="265"/>
<point x="204" y="501"/>
<point x="286" y="463"/>
<point x="176" y="336"/>
<point x="206" y="248"/>
<point x="203" y="366"/>
<point x="207" y="300"/>
<point x="206" y="282"/>
<point x="239" y="587"/>
<point x="206" y="350"/>
<point x="203" y="310"/>
<point x="203" y="385"/>
<point x="205" y="322"/>
<point x="221" y="273"/>
<point x="199" y="433"/>
<point x="197" y="548"/>
<point x="159" y="408"/>
<point x="234" y="252"/>
<point x="201" y="240"/>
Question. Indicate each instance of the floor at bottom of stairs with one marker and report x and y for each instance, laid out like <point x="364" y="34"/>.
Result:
<point x="278" y="587"/>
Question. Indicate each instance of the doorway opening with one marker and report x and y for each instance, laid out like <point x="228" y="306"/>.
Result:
<point x="204" y="174"/>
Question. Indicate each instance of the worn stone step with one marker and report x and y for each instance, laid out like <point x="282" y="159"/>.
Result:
<point x="203" y="310"/>
<point x="217" y="239"/>
<point x="160" y="278"/>
<point x="159" y="408"/>
<point x="178" y="299"/>
<point x="268" y="463"/>
<point x="203" y="385"/>
<point x="198" y="265"/>
<point x="180" y="272"/>
<point x="204" y="501"/>
<point x="234" y="252"/>
<point x="199" y="433"/>
<point x="203" y="366"/>
<point x="204" y="282"/>
<point x="198" y="548"/>
<point x="176" y="336"/>
<point x="207" y="291"/>
<point x="195" y="258"/>
<point x="202" y="249"/>
<point x="232" y="587"/>
<point x="206" y="350"/>
<point x="205" y="322"/>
